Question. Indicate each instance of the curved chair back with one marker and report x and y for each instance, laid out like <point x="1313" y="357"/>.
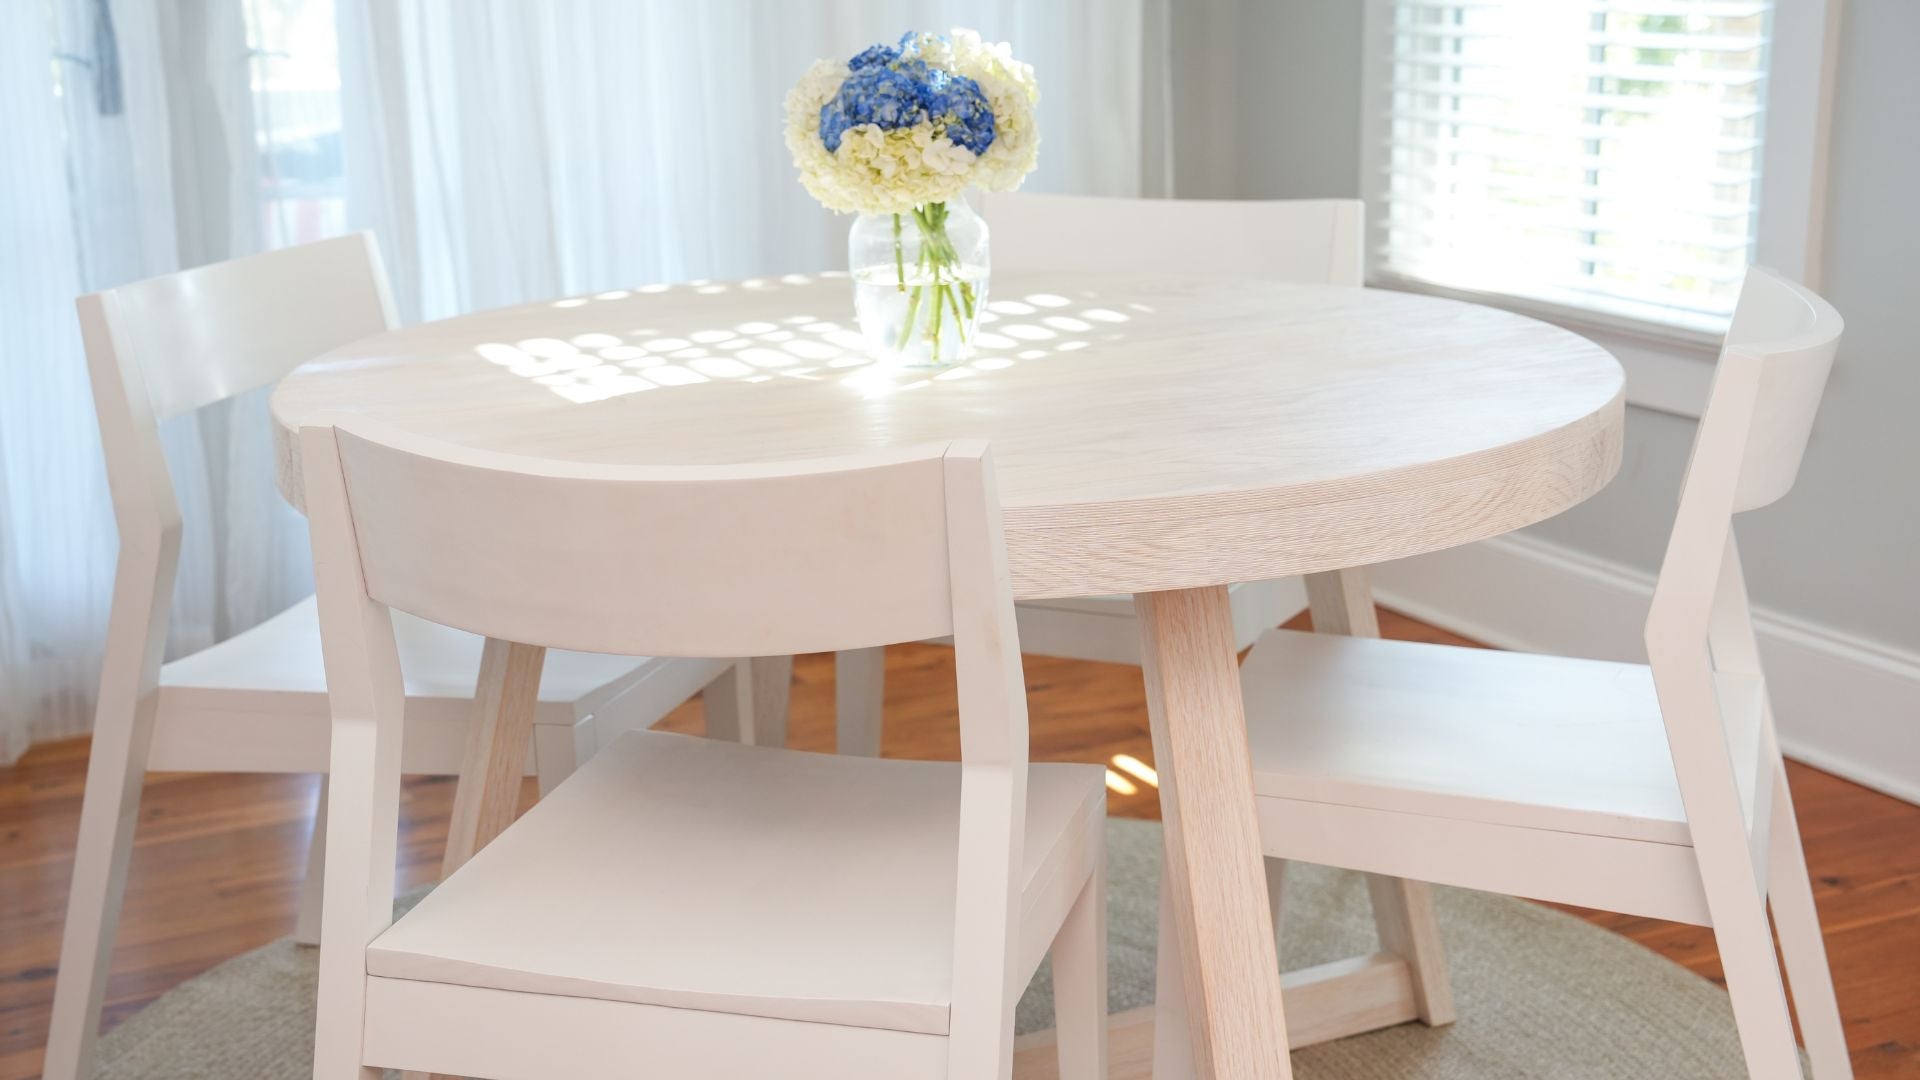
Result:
<point x="1700" y="638"/>
<point x="1790" y="335"/>
<point x="169" y="345"/>
<point x="656" y="561"/>
<point x="1767" y="387"/>
<point x="215" y="332"/>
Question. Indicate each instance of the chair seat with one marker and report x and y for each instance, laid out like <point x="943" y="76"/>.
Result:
<point x="283" y="655"/>
<point x="1504" y="738"/>
<point x="691" y="873"/>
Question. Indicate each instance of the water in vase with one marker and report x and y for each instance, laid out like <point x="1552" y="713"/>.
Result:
<point x="929" y="318"/>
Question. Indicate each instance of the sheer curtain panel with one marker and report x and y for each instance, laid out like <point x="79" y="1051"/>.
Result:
<point x="132" y="151"/>
<point x="504" y="150"/>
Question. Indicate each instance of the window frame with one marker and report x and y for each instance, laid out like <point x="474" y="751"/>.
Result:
<point x="1663" y="359"/>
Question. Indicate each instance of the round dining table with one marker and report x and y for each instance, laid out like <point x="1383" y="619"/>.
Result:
<point x="1165" y="437"/>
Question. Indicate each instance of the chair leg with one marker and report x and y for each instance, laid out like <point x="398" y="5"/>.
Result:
<point x="340" y="990"/>
<point x="772" y="678"/>
<point x="1736" y="902"/>
<point x="1752" y="970"/>
<point x="306" y="928"/>
<point x="558" y="749"/>
<point x="748" y="704"/>
<point x="859" y="689"/>
<point x="725" y="702"/>
<point x="1080" y="980"/>
<point x="1802" y="950"/>
<point x="116" y="771"/>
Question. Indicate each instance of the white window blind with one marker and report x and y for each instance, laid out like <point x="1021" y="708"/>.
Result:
<point x="1597" y="154"/>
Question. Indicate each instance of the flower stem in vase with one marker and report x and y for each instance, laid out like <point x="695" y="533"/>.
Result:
<point x="899" y="259"/>
<point x="919" y="285"/>
<point x="906" y="327"/>
<point x="951" y="290"/>
<point x="933" y="335"/>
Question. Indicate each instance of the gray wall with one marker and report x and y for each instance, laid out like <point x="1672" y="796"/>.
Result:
<point x="1256" y="83"/>
<point x="1843" y="550"/>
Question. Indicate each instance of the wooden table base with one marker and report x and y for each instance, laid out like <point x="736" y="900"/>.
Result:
<point x="1331" y="1001"/>
<point x="1221" y="975"/>
<point x="1217" y="911"/>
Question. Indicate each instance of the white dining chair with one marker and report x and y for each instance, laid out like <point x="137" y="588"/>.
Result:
<point x="1653" y="789"/>
<point x="1305" y="241"/>
<point x="256" y="702"/>
<point x="680" y="906"/>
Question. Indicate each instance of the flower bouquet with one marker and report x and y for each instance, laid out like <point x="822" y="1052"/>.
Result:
<point x="896" y="134"/>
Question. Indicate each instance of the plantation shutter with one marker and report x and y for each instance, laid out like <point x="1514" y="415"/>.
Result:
<point x="1597" y="154"/>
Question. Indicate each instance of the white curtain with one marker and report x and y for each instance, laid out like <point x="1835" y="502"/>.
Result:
<point x="130" y="152"/>
<point x="47" y="597"/>
<point x="502" y="151"/>
<point x="505" y="150"/>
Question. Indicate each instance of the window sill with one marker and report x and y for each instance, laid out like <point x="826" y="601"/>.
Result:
<point x="1669" y="368"/>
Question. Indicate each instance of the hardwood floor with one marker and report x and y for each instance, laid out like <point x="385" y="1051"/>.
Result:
<point x="218" y="859"/>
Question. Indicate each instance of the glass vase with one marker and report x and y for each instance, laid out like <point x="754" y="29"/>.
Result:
<point x="920" y="282"/>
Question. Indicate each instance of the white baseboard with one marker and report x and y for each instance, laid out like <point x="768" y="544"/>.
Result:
<point x="1843" y="704"/>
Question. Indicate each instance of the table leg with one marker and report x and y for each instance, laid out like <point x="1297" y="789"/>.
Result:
<point x="1172" y="1046"/>
<point x="749" y="704"/>
<point x="1342" y="603"/>
<point x="859" y="697"/>
<point x="1216" y="892"/>
<point x="488" y="794"/>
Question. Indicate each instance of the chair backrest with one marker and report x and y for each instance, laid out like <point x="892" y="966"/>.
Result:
<point x="690" y="561"/>
<point x="1309" y="241"/>
<point x="169" y="345"/>
<point x="663" y="561"/>
<point x="1767" y="387"/>
<point x="1791" y="335"/>
<point x="215" y="332"/>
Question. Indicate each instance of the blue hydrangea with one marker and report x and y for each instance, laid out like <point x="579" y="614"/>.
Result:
<point x="874" y="56"/>
<point x="922" y="73"/>
<point x="961" y="106"/>
<point x="876" y="95"/>
<point x="892" y="87"/>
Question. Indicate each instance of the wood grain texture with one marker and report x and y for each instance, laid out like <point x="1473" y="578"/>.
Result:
<point x="218" y="860"/>
<point x="1341" y="602"/>
<point x="487" y="796"/>
<point x="1220" y="918"/>
<point x="1236" y="430"/>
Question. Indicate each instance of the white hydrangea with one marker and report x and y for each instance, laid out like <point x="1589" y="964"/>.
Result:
<point x="891" y="172"/>
<point x="1014" y="94"/>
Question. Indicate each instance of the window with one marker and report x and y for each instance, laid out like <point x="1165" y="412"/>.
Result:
<point x="1599" y="155"/>
<point x="296" y="118"/>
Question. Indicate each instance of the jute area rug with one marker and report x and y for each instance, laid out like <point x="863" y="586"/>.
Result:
<point x="1540" y="994"/>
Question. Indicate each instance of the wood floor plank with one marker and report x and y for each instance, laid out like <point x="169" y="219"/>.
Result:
<point x="218" y="859"/>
